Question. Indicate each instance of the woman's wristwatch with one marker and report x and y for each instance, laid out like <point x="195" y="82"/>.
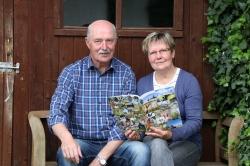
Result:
<point x="101" y="160"/>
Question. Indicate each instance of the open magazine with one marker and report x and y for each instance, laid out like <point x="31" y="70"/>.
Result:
<point x="158" y="108"/>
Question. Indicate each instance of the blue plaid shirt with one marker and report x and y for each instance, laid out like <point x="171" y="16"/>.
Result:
<point x="80" y="100"/>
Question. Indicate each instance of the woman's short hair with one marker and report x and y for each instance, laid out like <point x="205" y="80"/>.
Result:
<point x="158" y="36"/>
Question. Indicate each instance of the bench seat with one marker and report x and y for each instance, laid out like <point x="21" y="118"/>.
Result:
<point x="38" y="156"/>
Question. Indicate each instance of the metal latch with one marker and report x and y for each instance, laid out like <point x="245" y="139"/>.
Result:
<point x="9" y="67"/>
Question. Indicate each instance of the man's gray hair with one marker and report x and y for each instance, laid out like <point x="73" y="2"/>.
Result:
<point x="89" y="30"/>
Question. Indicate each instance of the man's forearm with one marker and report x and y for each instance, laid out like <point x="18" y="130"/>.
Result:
<point x="61" y="131"/>
<point x="110" y="148"/>
<point x="106" y="152"/>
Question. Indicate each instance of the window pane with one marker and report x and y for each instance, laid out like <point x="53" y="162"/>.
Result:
<point x="83" y="12"/>
<point x="147" y="13"/>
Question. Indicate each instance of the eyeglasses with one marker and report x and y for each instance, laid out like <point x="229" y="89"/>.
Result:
<point x="161" y="51"/>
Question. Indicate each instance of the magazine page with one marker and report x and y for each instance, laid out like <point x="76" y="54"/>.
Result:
<point x="158" y="108"/>
<point x="155" y="93"/>
<point x="128" y="112"/>
<point x="161" y="108"/>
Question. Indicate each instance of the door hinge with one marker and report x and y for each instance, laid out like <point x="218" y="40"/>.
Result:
<point x="9" y="67"/>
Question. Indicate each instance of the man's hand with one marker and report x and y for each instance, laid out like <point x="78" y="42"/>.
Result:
<point x="132" y="135"/>
<point x="71" y="150"/>
<point x="157" y="132"/>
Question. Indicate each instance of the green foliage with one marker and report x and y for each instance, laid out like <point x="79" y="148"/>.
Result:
<point x="244" y="145"/>
<point x="228" y="42"/>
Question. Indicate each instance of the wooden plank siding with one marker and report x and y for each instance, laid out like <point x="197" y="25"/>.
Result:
<point x="43" y="49"/>
<point x="22" y="53"/>
<point x="1" y="80"/>
<point x="7" y="80"/>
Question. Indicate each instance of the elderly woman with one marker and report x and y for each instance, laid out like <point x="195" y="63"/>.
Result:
<point x="176" y="146"/>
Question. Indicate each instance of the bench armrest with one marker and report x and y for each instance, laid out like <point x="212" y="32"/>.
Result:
<point x="38" y="137"/>
<point x="234" y="131"/>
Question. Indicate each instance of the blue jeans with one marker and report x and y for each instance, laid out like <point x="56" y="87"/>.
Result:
<point x="179" y="153"/>
<point x="130" y="153"/>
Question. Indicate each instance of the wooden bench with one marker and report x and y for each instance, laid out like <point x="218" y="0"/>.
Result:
<point x="222" y="154"/>
<point x="38" y="155"/>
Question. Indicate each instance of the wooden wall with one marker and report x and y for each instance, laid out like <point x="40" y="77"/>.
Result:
<point x="1" y="78"/>
<point x="43" y="50"/>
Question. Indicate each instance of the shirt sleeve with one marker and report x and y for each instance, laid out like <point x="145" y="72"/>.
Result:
<point x="192" y="108"/>
<point x="116" y="134"/>
<point x="61" y="99"/>
<point x="129" y="87"/>
<point x="129" y="83"/>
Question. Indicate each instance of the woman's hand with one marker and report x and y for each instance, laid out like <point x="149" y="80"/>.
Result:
<point x="132" y="135"/>
<point x="159" y="133"/>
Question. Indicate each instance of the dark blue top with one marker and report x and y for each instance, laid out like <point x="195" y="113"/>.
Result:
<point x="189" y="97"/>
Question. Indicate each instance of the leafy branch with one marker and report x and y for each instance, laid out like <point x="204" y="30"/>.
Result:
<point x="228" y="42"/>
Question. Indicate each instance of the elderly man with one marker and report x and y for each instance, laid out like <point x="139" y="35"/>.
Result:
<point x="80" y="115"/>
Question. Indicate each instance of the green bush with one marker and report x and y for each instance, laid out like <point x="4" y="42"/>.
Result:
<point x="228" y="44"/>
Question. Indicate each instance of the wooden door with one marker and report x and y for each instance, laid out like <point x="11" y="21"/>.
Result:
<point x="43" y="46"/>
<point x="6" y="81"/>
